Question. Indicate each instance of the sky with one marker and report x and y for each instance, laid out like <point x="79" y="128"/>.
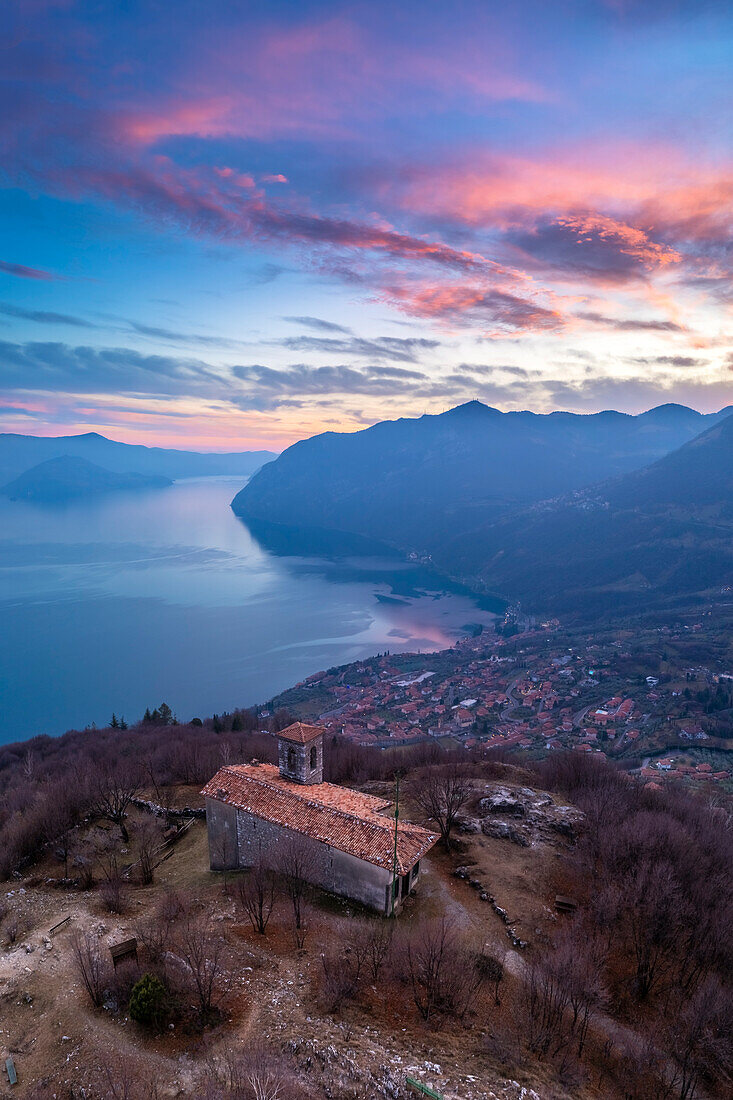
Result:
<point x="230" y="225"/>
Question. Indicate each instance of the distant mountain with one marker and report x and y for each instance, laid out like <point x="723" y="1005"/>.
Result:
<point x="21" y="452"/>
<point x="420" y="484"/>
<point x="654" y="536"/>
<point x="68" y="477"/>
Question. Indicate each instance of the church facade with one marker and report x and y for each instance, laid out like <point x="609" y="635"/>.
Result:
<point x="354" y="848"/>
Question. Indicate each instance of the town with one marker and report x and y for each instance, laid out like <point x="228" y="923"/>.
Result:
<point x="655" y="699"/>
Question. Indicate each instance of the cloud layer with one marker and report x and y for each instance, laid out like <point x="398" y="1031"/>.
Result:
<point x="503" y="184"/>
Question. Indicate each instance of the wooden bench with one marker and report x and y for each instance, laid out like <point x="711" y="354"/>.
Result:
<point x="124" y="950"/>
<point x="565" y="905"/>
<point x="424" y="1090"/>
<point x="10" y="1070"/>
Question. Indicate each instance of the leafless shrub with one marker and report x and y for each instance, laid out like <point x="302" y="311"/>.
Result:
<point x="444" y="973"/>
<point x="121" y="980"/>
<point x="378" y="935"/>
<point x="294" y="861"/>
<point x="60" y="819"/>
<point x="104" y="850"/>
<point x="91" y="963"/>
<point x="256" y="1072"/>
<point x="492" y="970"/>
<point x="700" y="1042"/>
<point x="124" y="1078"/>
<point x="300" y="925"/>
<point x="16" y="926"/>
<point x="153" y="935"/>
<point x="113" y="895"/>
<point x="256" y="894"/>
<point x="171" y="907"/>
<point x="202" y="951"/>
<point x="344" y="963"/>
<point x="112" y="789"/>
<point x="148" y="842"/>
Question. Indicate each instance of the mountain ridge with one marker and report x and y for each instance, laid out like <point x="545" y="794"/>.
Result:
<point x="412" y="483"/>
<point x="21" y="452"/>
<point x="655" y="535"/>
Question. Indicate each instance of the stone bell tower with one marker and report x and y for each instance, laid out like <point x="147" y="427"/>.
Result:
<point x="300" y="753"/>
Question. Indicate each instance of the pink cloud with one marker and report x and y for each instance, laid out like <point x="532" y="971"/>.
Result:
<point x="496" y="309"/>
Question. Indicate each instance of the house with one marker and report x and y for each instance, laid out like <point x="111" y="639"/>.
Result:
<point x="351" y="847"/>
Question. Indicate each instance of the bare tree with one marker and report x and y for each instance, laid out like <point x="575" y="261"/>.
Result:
<point x="256" y="893"/>
<point x="91" y="965"/>
<point x="256" y="1072"/>
<point x="122" y="1078"/>
<point x="699" y="1040"/>
<point x="344" y="962"/>
<point x="584" y="961"/>
<point x="445" y="974"/>
<point x="202" y="950"/>
<point x="148" y="842"/>
<point x="58" y="826"/>
<point x="294" y="860"/>
<point x="441" y="792"/>
<point x="378" y="935"/>
<point x="153" y="934"/>
<point x="651" y="906"/>
<point x="112" y="888"/>
<point x="112" y="789"/>
<point x="113" y="895"/>
<point x="493" y="971"/>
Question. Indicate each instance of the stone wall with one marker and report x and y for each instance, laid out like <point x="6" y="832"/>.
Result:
<point x="333" y="870"/>
<point x="237" y="837"/>
<point x="221" y="827"/>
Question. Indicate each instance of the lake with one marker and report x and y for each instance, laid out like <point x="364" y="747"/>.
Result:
<point x="126" y="601"/>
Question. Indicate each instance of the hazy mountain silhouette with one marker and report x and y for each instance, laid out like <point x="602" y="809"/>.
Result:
<point x="415" y="484"/>
<point x="656" y="535"/>
<point x="67" y="477"/>
<point x="21" y="452"/>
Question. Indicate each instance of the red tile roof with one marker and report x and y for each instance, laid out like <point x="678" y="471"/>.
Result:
<point x="345" y="819"/>
<point x="301" y="733"/>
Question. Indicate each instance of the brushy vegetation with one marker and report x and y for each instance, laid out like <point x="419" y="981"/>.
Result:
<point x="632" y="992"/>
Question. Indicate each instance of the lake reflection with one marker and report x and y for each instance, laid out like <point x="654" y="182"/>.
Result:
<point x="120" y="603"/>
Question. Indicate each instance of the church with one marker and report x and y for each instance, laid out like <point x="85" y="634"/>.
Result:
<point x="355" y="848"/>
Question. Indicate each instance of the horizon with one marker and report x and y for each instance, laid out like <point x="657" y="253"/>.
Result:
<point x="263" y="224"/>
<point x="417" y="416"/>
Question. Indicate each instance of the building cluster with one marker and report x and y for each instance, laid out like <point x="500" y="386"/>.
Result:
<point x="540" y="691"/>
<point x="677" y="767"/>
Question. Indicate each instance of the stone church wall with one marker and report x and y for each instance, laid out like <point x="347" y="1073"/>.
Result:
<point x="333" y="870"/>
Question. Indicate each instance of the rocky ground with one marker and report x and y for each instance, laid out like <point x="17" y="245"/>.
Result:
<point x="56" y="1037"/>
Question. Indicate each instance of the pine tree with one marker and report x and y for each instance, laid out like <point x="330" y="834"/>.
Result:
<point x="165" y="715"/>
<point x="114" y="724"/>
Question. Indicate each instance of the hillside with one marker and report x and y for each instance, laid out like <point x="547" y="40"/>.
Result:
<point x="415" y="484"/>
<point x="657" y="535"/>
<point x="21" y="452"/>
<point x="66" y="478"/>
<point x="481" y="989"/>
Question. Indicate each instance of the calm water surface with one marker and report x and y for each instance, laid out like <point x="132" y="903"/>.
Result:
<point x="123" y="602"/>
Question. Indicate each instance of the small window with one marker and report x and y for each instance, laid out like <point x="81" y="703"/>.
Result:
<point x="314" y="757"/>
<point x="291" y="758"/>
